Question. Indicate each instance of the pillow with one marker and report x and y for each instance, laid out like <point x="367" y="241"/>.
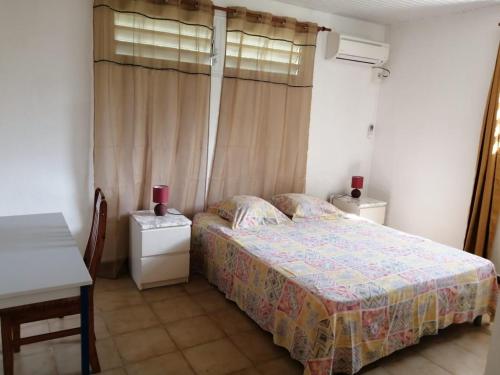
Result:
<point x="246" y="211"/>
<point x="302" y="207"/>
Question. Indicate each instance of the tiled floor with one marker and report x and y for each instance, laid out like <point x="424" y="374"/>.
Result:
<point x="193" y="329"/>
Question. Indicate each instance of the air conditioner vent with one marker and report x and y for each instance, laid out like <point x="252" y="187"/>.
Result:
<point x="345" y="47"/>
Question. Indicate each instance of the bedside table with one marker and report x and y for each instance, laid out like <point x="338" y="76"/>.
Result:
<point x="368" y="208"/>
<point x="159" y="248"/>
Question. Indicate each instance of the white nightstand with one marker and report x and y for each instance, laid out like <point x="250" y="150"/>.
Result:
<point x="368" y="208"/>
<point x="159" y="248"/>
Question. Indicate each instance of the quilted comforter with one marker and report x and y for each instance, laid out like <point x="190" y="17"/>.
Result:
<point x="340" y="294"/>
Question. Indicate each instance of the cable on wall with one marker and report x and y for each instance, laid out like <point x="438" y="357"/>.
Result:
<point x="383" y="73"/>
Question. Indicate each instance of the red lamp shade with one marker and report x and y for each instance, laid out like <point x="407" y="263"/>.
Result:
<point x="357" y="182"/>
<point x="160" y="194"/>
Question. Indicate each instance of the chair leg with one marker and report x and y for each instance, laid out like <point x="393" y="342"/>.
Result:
<point x="93" y="357"/>
<point x="7" y="350"/>
<point x="16" y="337"/>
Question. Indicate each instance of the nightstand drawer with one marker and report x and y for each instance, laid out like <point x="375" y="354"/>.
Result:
<point x="164" y="267"/>
<point x="376" y="214"/>
<point x="165" y="241"/>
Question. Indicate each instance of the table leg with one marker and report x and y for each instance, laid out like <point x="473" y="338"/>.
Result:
<point x="84" y="328"/>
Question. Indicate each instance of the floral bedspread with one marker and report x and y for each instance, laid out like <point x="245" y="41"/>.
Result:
<point x="340" y="294"/>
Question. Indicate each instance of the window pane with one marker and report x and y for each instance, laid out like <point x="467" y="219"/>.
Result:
<point x="136" y="35"/>
<point x="257" y="53"/>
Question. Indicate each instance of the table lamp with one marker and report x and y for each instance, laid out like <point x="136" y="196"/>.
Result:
<point x="160" y="196"/>
<point x="356" y="184"/>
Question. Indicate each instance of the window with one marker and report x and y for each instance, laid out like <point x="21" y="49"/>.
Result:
<point x="140" y="36"/>
<point x="251" y="52"/>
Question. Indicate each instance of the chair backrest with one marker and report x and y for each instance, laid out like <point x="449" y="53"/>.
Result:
<point x="86" y="256"/>
<point x="95" y="244"/>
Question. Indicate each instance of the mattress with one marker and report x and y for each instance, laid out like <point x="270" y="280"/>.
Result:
<point x="340" y="294"/>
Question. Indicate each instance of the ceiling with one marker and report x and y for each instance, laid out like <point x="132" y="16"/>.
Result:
<point x="392" y="11"/>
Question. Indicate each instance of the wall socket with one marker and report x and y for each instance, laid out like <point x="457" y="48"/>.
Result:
<point x="371" y="131"/>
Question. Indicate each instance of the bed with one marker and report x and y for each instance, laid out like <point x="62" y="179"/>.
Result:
<point x="340" y="294"/>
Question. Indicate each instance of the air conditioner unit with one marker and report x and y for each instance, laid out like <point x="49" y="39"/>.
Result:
<point x="345" y="47"/>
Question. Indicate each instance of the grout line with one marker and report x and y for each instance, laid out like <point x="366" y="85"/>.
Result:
<point x="254" y="363"/>
<point x="122" y="361"/>
<point x="175" y="344"/>
<point x="442" y="366"/>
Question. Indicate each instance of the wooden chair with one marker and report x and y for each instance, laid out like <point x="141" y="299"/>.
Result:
<point x="66" y="306"/>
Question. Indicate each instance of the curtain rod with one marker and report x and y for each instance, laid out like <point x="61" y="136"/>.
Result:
<point x="229" y="10"/>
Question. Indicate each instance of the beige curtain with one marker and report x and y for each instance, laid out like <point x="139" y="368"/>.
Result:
<point x="485" y="206"/>
<point x="263" y="127"/>
<point x="152" y="87"/>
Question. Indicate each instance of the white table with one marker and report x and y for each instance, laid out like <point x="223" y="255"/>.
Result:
<point x="39" y="261"/>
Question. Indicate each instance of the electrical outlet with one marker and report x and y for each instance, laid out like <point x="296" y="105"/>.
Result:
<point x="371" y="131"/>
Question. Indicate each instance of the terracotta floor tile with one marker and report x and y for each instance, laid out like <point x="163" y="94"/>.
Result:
<point x="117" y="299"/>
<point x="171" y="364"/>
<point x="130" y="319"/>
<point x="473" y="340"/>
<point x="143" y="344"/>
<point x="216" y="357"/>
<point x="73" y="321"/>
<point x="197" y="284"/>
<point x="233" y="320"/>
<point x="452" y="357"/>
<point x="247" y="371"/>
<point x="101" y="330"/>
<point x="410" y="363"/>
<point x="41" y="363"/>
<point x="163" y="293"/>
<point x="212" y="300"/>
<point x="374" y="370"/>
<point x="258" y="345"/>
<point x="124" y="282"/>
<point x="31" y="329"/>
<point x="116" y="371"/>
<point x="487" y="328"/>
<point x="281" y="366"/>
<point x="194" y="331"/>
<point x="176" y="309"/>
<point x="67" y="322"/>
<point x="108" y="354"/>
<point x="67" y="357"/>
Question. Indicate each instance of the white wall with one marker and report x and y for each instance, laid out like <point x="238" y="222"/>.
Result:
<point x="344" y="102"/>
<point x="429" y="121"/>
<point x="45" y="109"/>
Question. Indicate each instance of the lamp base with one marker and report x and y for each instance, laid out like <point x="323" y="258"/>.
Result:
<point x="355" y="193"/>
<point x="160" y="209"/>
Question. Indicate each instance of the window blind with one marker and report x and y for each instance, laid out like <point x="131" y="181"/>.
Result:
<point x="137" y="35"/>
